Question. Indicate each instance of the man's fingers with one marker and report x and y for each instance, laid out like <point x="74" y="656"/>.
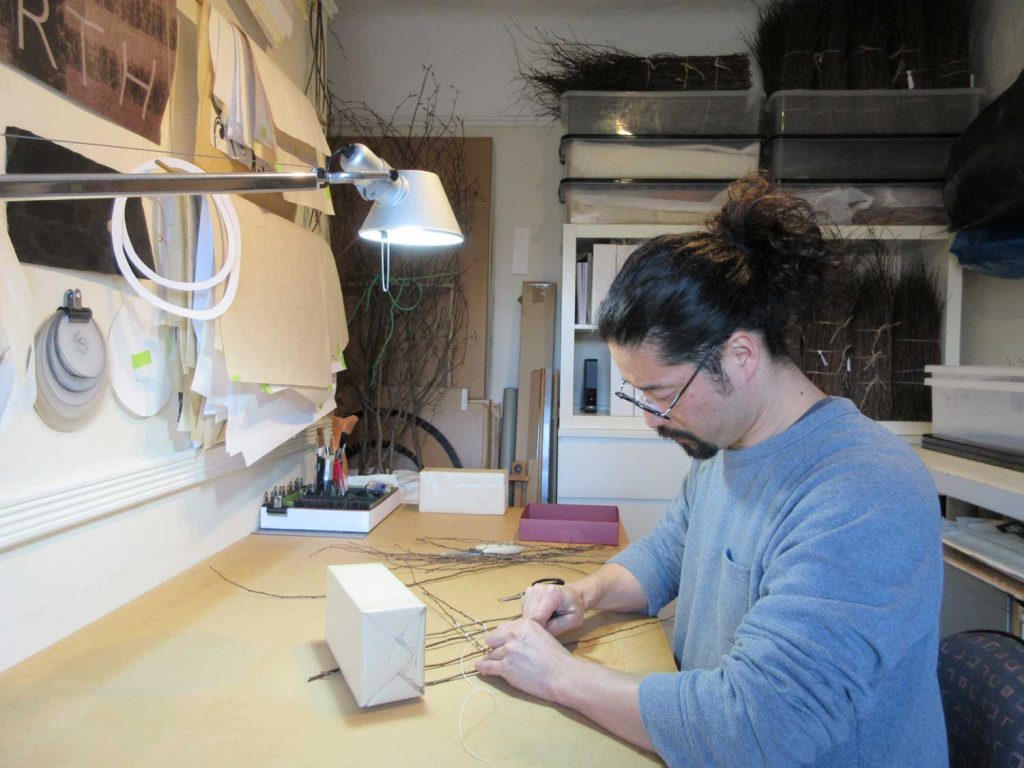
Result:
<point x="540" y="601"/>
<point x="503" y="633"/>
<point x="497" y="654"/>
<point x="562" y="624"/>
<point x="488" y="667"/>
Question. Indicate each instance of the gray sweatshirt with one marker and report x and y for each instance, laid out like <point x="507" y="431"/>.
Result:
<point x="808" y="571"/>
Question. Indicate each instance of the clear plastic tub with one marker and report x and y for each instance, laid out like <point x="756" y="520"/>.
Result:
<point x="979" y="404"/>
<point x="948" y="110"/>
<point x="902" y="158"/>
<point x="645" y="113"/>
<point x="659" y="157"/>
<point x="627" y="201"/>
<point x="879" y="203"/>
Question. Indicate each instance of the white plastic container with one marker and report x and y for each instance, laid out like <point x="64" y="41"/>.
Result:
<point x="682" y="157"/>
<point x="978" y="404"/>
<point x="628" y="201"/>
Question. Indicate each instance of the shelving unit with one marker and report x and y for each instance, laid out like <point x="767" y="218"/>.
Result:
<point x="582" y="341"/>
<point x="644" y="471"/>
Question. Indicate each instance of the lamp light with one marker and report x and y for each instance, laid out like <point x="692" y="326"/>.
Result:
<point x="409" y="207"/>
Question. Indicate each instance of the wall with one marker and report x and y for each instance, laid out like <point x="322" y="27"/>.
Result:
<point x="152" y="506"/>
<point x="469" y="46"/>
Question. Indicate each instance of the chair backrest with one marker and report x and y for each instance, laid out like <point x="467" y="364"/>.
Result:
<point x="981" y="676"/>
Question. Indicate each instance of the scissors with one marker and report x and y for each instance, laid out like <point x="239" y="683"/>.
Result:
<point x="550" y="580"/>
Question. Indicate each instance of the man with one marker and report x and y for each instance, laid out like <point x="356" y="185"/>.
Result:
<point x="804" y="547"/>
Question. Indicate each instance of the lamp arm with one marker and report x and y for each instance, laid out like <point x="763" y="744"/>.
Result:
<point x="359" y="158"/>
<point x="74" y="186"/>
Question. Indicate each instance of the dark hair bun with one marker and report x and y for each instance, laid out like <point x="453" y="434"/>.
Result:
<point x="776" y="235"/>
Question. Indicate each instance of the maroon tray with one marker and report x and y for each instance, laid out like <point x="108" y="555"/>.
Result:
<point x="570" y="523"/>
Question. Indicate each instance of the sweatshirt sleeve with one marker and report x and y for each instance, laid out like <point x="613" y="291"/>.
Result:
<point x="656" y="559"/>
<point x="851" y="585"/>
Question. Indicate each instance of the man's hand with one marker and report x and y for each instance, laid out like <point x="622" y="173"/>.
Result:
<point x="542" y="601"/>
<point x="529" y="658"/>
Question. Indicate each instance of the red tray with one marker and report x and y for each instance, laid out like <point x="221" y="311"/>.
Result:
<point x="570" y="523"/>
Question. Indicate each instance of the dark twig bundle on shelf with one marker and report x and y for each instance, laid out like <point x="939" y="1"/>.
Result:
<point x="830" y="58"/>
<point x="860" y="44"/>
<point x="948" y="22"/>
<point x="908" y="45"/>
<point x="825" y="341"/>
<point x="871" y="332"/>
<point x="555" y="64"/>
<point x="917" y="317"/>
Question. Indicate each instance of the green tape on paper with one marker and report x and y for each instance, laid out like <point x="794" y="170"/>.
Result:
<point x="236" y="378"/>
<point x="327" y="194"/>
<point x="278" y="167"/>
<point x="267" y="389"/>
<point x="141" y="359"/>
<point x="340" y="357"/>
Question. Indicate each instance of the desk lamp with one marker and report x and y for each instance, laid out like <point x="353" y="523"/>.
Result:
<point x="409" y="207"/>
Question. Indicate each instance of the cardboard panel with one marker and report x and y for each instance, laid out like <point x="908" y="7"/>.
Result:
<point x="536" y="350"/>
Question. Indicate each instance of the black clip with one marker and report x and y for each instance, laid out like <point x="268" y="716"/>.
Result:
<point x="73" y="307"/>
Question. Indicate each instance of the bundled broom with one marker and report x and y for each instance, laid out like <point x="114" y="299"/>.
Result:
<point x="917" y="322"/>
<point x="871" y="332"/>
<point x="556" y="64"/>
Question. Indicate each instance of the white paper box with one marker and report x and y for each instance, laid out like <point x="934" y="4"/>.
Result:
<point x="464" y="491"/>
<point x="376" y="631"/>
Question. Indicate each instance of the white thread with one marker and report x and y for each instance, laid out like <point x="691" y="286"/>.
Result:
<point x="462" y="711"/>
<point x="124" y="252"/>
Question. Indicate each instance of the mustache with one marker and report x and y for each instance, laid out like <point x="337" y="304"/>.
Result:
<point x="694" y="446"/>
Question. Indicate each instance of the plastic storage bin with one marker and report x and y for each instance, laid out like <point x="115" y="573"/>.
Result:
<point x="950" y="110"/>
<point x="901" y="158"/>
<point x="979" y="404"/>
<point x="882" y="203"/>
<point x="628" y="201"/>
<point x="645" y="157"/>
<point x="638" y="113"/>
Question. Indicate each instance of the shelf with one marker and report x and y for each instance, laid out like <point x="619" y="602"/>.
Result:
<point x="993" y="488"/>
<point x="585" y="328"/>
<point x="968" y="563"/>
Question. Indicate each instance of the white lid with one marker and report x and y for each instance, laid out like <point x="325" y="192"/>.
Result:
<point x="140" y="353"/>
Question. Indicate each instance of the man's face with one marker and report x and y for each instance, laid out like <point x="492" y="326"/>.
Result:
<point x="693" y="423"/>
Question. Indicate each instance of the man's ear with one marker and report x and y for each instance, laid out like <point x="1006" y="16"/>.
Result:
<point x="742" y="356"/>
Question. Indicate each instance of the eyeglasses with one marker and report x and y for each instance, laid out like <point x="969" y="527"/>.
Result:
<point x="644" y="406"/>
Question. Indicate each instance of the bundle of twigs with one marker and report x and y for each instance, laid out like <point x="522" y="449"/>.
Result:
<point x="404" y="344"/>
<point x="835" y="44"/>
<point x="868" y="44"/>
<point x="554" y="64"/>
<point x="948" y="24"/>
<point x="908" y="44"/>
<point x="871" y="332"/>
<point x="826" y="340"/>
<point x="917" y="320"/>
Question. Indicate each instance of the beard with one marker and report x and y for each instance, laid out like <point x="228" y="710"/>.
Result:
<point x="689" y="442"/>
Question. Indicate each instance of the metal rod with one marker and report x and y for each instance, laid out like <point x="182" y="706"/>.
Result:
<point x="72" y="186"/>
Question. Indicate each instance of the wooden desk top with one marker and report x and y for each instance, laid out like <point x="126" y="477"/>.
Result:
<point x="200" y="672"/>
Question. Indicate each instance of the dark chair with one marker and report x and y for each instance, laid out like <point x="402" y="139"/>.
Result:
<point x="981" y="676"/>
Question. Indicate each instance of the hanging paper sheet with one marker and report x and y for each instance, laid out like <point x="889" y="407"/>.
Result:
<point x="115" y="57"/>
